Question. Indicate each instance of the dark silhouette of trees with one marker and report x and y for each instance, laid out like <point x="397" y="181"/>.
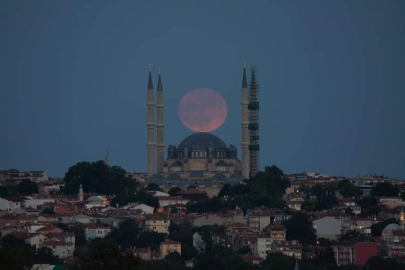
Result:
<point x="299" y="227"/>
<point x="385" y="189"/>
<point x="27" y="187"/>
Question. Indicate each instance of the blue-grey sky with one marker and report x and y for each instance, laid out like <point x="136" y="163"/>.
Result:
<point x="73" y="79"/>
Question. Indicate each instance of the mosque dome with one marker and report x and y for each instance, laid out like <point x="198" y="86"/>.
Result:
<point x="391" y="227"/>
<point x="156" y="177"/>
<point x="202" y="141"/>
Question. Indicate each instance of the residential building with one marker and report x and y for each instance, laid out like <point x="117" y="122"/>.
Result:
<point x="97" y="231"/>
<point x="328" y="227"/>
<point x="63" y="250"/>
<point x="169" y="246"/>
<point x="354" y="252"/>
<point x="157" y="223"/>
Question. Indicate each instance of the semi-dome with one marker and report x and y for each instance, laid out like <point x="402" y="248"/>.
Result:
<point x="219" y="176"/>
<point x="221" y="163"/>
<point x="173" y="176"/>
<point x="196" y="174"/>
<point x="156" y="177"/>
<point x="202" y="140"/>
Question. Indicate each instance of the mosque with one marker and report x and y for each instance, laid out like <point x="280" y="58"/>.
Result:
<point x="202" y="159"/>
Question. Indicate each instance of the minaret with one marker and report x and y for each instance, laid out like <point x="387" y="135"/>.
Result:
<point x="107" y="158"/>
<point x="81" y="193"/>
<point x="151" y="126"/>
<point x="245" y="124"/>
<point x="254" y="124"/>
<point x="160" y="146"/>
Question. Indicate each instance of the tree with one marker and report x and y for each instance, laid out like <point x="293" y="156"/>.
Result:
<point x="100" y="178"/>
<point x="45" y="255"/>
<point x="48" y="211"/>
<point x="174" y="190"/>
<point x="278" y="261"/>
<point x="153" y="187"/>
<point x="105" y="256"/>
<point x="174" y="261"/>
<point x="385" y="189"/>
<point x="27" y="187"/>
<point x="273" y="180"/>
<point x="140" y="197"/>
<point x="299" y="228"/>
<point x="376" y="229"/>
<point x="346" y="188"/>
<point x="245" y="250"/>
<point x="380" y="263"/>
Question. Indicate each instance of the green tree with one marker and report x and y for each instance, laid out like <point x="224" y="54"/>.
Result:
<point x="376" y="229"/>
<point x="299" y="227"/>
<point x="8" y="191"/>
<point x="45" y="255"/>
<point x="100" y="178"/>
<point x="385" y="189"/>
<point x="278" y="261"/>
<point x="174" y="190"/>
<point x="153" y="187"/>
<point x="174" y="261"/>
<point x="245" y="250"/>
<point x="48" y="211"/>
<point x="274" y="181"/>
<point x="346" y="188"/>
<point x="105" y="256"/>
<point x="27" y="187"/>
<point x="380" y="263"/>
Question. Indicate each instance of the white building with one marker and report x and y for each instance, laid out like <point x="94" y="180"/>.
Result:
<point x="328" y="227"/>
<point x="35" y="239"/>
<point x="96" y="231"/>
<point x="63" y="250"/>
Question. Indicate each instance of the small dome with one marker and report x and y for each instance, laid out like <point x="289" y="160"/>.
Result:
<point x="231" y="182"/>
<point x="232" y="147"/>
<point x="177" y="163"/>
<point x="189" y="183"/>
<point x="156" y="177"/>
<point x="219" y="176"/>
<point x="203" y="183"/>
<point x="215" y="183"/>
<point x="202" y="140"/>
<point x="196" y="174"/>
<point x="171" y="147"/>
<point x="221" y="163"/>
<point x="236" y="176"/>
<point x="175" y="184"/>
<point x="391" y="227"/>
<point x="173" y="176"/>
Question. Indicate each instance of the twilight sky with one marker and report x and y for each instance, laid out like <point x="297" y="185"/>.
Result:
<point x="73" y="79"/>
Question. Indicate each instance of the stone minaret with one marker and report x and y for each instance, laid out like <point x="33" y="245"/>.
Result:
<point x="151" y="127"/>
<point x="107" y="158"/>
<point x="160" y="146"/>
<point x="81" y="193"/>
<point x="245" y="124"/>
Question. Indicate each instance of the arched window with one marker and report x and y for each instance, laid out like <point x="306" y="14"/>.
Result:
<point x="198" y="166"/>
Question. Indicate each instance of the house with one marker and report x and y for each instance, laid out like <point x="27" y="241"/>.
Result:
<point x="264" y="246"/>
<point x="96" y="231"/>
<point x="258" y="220"/>
<point x="48" y="219"/>
<point x="143" y="253"/>
<point x="49" y="229"/>
<point x="190" y="263"/>
<point x="232" y="216"/>
<point x="35" y="239"/>
<point x="144" y="208"/>
<point x="354" y="252"/>
<point x="169" y="200"/>
<point x="193" y="194"/>
<point x="157" y="223"/>
<point x="277" y="232"/>
<point x="294" y="205"/>
<point x="12" y="203"/>
<point x="290" y="248"/>
<point x="9" y="220"/>
<point x="66" y="237"/>
<point x="328" y="227"/>
<point x="169" y="246"/>
<point x="252" y="259"/>
<point x="391" y="202"/>
<point x="63" y="250"/>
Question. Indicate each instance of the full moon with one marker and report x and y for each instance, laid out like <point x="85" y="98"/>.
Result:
<point x="203" y="110"/>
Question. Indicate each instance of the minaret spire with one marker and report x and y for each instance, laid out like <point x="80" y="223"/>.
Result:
<point x="160" y="146"/>
<point x="107" y="158"/>
<point x="245" y="124"/>
<point x="254" y="124"/>
<point x="151" y="126"/>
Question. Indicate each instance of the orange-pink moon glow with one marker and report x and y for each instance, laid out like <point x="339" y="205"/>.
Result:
<point x="203" y="109"/>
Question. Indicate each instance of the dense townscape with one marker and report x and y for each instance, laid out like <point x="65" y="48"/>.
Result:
<point x="102" y="217"/>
